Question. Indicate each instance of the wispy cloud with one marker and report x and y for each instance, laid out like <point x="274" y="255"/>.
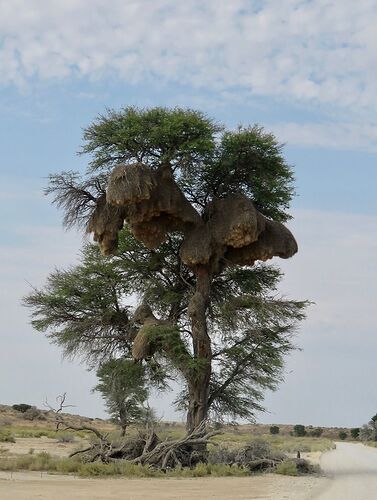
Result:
<point x="319" y="54"/>
<point x="357" y="135"/>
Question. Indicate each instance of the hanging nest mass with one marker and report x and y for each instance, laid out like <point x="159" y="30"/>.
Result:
<point x="105" y="222"/>
<point x="230" y="231"/>
<point x="155" y="204"/>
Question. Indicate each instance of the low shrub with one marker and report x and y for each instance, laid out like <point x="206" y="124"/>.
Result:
<point x="274" y="429"/>
<point x="286" y="468"/>
<point x="316" y="432"/>
<point x="355" y="432"/>
<point x="34" y="414"/>
<point x="6" y="437"/>
<point x="222" y="455"/>
<point x="22" y="407"/>
<point x="295" y="467"/>
<point x="66" y="438"/>
<point x="299" y="430"/>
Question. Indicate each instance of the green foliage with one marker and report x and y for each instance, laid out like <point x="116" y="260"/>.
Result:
<point x="342" y="435"/>
<point x="316" y="432"/>
<point x="374" y="418"/>
<point x="22" y="407"/>
<point x="122" y="384"/>
<point x="286" y="468"/>
<point x="274" y="429"/>
<point x="183" y="137"/>
<point x="249" y="160"/>
<point x="299" y="430"/>
<point x="6" y="437"/>
<point x="355" y="432"/>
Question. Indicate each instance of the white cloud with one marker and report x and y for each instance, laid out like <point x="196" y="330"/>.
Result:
<point x="332" y="135"/>
<point x="320" y="53"/>
<point x="320" y="50"/>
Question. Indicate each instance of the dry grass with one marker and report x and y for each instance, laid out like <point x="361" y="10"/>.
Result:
<point x="54" y="465"/>
<point x="278" y="443"/>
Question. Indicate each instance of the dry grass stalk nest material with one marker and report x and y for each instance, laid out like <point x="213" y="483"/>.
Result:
<point x="155" y="204"/>
<point x="106" y="222"/>
<point x="231" y="230"/>
<point x="145" y="344"/>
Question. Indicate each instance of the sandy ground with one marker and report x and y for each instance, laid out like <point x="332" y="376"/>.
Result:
<point x="351" y="471"/>
<point x="43" y="486"/>
<point x="22" y="446"/>
<point x="31" y="486"/>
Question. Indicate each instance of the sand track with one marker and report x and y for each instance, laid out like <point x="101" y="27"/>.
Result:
<point x="351" y="471"/>
<point x="31" y="486"/>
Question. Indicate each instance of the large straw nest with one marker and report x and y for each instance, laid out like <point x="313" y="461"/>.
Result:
<point x="198" y="247"/>
<point x="105" y="222"/>
<point x="130" y="184"/>
<point x="143" y="346"/>
<point x="275" y="241"/>
<point x="234" y="221"/>
<point x="229" y="222"/>
<point x="155" y="203"/>
<point x="142" y="313"/>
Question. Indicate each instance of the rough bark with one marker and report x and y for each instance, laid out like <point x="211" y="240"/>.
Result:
<point x="199" y="377"/>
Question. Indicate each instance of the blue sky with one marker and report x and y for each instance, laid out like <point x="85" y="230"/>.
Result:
<point x="303" y="69"/>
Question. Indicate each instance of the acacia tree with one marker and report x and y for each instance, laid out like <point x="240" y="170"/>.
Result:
<point x="122" y="384"/>
<point x="186" y="213"/>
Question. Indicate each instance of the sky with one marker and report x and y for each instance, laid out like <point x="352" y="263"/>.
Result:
<point x="305" y="70"/>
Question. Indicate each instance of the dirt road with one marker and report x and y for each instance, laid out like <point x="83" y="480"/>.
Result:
<point x="31" y="486"/>
<point x="352" y="472"/>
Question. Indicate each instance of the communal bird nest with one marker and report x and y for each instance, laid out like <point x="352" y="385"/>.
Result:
<point x="105" y="222"/>
<point x="229" y="231"/>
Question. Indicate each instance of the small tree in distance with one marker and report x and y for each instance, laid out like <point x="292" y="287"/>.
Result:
<point x="274" y="429"/>
<point x="355" y="432"/>
<point x="299" y="430"/>
<point x="368" y="432"/>
<point x="122" y="385"/>
<point x="342" y="435"/>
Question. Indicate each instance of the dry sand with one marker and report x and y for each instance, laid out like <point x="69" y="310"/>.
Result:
<point x="31" y="486"/>
<point x="352" y="473"/>
<point x="22" y="446"/>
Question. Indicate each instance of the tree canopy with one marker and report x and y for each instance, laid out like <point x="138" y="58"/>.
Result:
<point x="123" y="387"/>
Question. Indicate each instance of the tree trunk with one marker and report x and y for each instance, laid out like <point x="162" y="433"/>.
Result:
<point x="199" y="376"/>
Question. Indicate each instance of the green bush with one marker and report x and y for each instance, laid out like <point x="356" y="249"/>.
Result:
<point x="286" y="468"/>
<point x="316" y="432"/>
<point x="22" y="407"/>
<point x="274" y="429"/>
<point x="355" y="432"/>
<point x="342" y="435"/>
<point x="299" y="430"/>
<point x="6" y="437"/>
